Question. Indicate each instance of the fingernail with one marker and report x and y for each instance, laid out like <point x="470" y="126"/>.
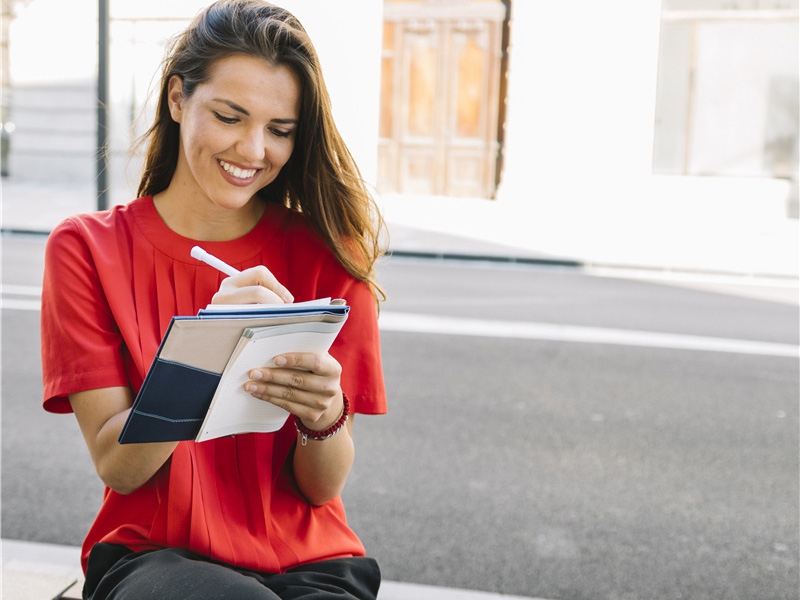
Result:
<point x="250" y="387"/>
<point x="288" y="298"/>
<point x="280" y="360"/>
<point x="256" y="374"/>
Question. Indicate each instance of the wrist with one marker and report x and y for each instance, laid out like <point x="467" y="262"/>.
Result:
<point x="320" y="435"/>
<point x="326" y="421"/>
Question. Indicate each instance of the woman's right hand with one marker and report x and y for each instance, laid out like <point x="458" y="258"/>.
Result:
<point x="256" y="285"/>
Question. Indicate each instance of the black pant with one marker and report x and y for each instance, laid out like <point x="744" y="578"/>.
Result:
<point x="116" y="573"/>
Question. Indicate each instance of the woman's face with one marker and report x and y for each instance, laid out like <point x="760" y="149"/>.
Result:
<point x="237" y="130"/>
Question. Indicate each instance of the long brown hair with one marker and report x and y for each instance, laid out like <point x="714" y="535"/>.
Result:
<point x="321" y="179"/>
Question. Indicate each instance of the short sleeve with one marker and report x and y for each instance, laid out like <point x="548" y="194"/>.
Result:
<point x="358" y="350"/>
<point x="81" y="343"/>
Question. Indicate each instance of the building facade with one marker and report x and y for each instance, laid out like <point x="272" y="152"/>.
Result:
<point x="554" y="108"/>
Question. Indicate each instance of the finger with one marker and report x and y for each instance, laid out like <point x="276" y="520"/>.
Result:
<point x="318" y="363"/>
<point x="284" y="395"/>
<point x="309" y="406"/>
<point x="246" y="295"/>
<point x="295" y="379"/>
<point x="293" y="399"/>
<point x="263" y="277"/>
<point x="254" y="285"/>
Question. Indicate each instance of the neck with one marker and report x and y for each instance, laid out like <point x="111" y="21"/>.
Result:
<point x="205" y="221"/>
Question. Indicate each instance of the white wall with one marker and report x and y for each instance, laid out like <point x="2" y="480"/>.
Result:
<point x="581" y="101"/>
<point x="737" y="65"/>
<point x="579" y="130"/>
<point x="348" y="36"/>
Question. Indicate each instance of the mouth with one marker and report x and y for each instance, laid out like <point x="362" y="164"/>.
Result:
<point x="237" y="172"/>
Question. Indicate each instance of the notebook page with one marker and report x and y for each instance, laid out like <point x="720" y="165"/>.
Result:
<point x="232" y="409"/>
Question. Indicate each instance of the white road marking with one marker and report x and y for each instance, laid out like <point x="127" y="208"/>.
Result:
<point x="22" y="290"/>
<point x="418" y="323"/>
<point x="526" y="330"/>
<point x="17" y="304"/>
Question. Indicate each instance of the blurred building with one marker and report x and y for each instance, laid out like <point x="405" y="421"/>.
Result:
<point x="50" y="89"/>
<point x="681" y="106"/>
<point x="574" y="108"/>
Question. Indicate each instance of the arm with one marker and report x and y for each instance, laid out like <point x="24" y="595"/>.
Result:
<point x="82" y="345"/>
<point x="321" y="468"/>
<point x="101" y="414"/>
<point x="307" y="385"/>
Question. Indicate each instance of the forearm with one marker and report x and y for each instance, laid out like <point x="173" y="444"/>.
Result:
<point x="321" y="467"/>
<point x="126" y="467"/>
<point x="101" y="415"/>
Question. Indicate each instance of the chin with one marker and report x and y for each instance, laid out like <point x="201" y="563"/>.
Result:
<point x="227" y="202"/>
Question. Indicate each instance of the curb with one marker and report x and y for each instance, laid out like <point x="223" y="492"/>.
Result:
<point x="498" y="258"/>
<point x="42" y="571"/>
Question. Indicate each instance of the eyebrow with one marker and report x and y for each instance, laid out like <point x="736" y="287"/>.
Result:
<point x="233" y="105"/>
<point x="245" y="112"/>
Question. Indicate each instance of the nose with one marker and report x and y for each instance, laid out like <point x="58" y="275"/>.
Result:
<point x="252" y="145"/>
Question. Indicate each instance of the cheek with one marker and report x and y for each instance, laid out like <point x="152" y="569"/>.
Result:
<point x="200" y="141"/>
<point x="285" y="153"/>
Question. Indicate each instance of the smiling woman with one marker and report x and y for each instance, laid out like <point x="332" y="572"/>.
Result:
<point x="245" y="157"/>
<point x="236" y="134"/>
<point x="321" y="179"/>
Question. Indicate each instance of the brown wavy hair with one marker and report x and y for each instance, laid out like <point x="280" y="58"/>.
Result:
<point x="321" y="179"/>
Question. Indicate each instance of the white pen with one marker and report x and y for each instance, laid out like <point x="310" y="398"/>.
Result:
<point x="210" y="259"/>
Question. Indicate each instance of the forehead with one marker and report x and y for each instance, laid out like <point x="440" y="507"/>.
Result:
<point x="253" y="83"/>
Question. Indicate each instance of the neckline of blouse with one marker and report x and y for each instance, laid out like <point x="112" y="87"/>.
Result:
<point x="178" y="247"/>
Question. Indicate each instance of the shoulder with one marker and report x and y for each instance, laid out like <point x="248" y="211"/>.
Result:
<point x="84" y="241"/>
<point x="94" y="225"/>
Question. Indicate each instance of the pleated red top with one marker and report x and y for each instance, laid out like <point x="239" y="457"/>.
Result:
<point x="113" y="280"/>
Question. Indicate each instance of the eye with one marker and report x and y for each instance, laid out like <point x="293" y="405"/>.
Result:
<point x="226" y="120"/>
<point x="281" y="133"/>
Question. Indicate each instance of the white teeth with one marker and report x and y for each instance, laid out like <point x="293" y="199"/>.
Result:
<point x="236" y="171"/>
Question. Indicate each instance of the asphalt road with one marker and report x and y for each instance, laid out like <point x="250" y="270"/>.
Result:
<point x="527" y="465"/>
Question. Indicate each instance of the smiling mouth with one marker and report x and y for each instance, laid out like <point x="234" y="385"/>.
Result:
<point x="235" y="171"/>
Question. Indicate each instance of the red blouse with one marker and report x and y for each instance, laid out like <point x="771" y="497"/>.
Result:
<point x="113" y="280"/>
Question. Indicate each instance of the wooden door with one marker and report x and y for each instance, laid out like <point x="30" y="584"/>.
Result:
<point x="440" y="97"/>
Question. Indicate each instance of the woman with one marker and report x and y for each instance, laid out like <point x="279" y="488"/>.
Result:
<point x="245" y="158"/>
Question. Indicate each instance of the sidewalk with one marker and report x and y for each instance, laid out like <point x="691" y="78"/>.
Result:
<point x="650" y="237"/>
<point x="655" y="240"/>
<point x="34" y="571"/>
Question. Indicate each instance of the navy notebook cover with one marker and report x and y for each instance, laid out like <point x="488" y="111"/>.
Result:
<point x="171" y="405"/>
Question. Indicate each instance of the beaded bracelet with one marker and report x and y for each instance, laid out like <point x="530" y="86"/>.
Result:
<point x="331" y="431"/>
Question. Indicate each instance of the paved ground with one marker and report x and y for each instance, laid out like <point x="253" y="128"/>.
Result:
<point x="646" y="472"/>
<point x="755" y="260"/>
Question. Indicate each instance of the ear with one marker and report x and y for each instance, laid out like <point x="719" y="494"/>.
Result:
<point x="175" y="97"/>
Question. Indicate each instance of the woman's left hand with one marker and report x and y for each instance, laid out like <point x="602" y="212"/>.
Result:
<point x="304" y="383"/>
